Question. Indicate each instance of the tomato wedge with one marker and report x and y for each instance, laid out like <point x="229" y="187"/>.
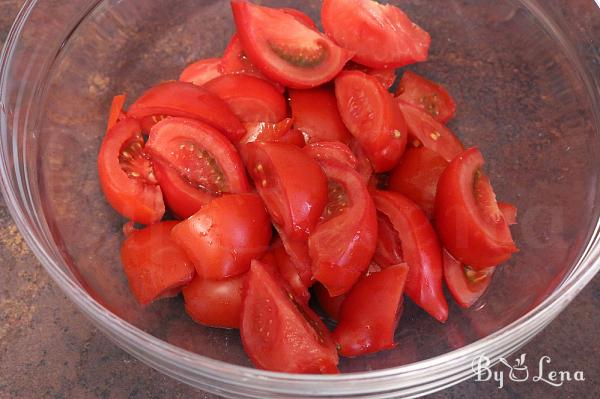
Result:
<point x="468" y="220"/>
<point x="465" y="284"/>
<point x="285" y="49"/>
<point x="297" y="250"/>
<point x="330" y="304"/>
<point x="421" y="251"/>
<point x="215" y="303"/>
<point x="289" y="272"/>
<point x="126" y="174"/>
<point x="427" y="96"/>
<point x="369" y="112"/>
<point x="509" y="211"/>
<point x="316" y="114"/>
<point x="417" y="175"/>
<point x="280" y="334"/>
<point x="201" y="71"/>
<point x="225" y="235"/>
<point x="185" y="100"/>
<point x="388" y="251"/>
<point x="431" y="133"/>
<point x="363" y="165"/>
<point x="301" y="17"/>
<point x="202" y="157"/>
<point x="342" y="245"/>
<point x="291" y="184"/>
<point x="386" y="77"/>
<point x="381" y="36"/>
<point x="332" y="151"/>
<point x="280" y="132"/>
<point x="251" y="99"/>
<point x="155" y="266"/>
<point x="370" y="313"/>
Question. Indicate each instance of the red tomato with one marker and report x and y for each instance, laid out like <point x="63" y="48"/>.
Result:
<point x="316" y="114"/>
<point x="430" y="132"/>
<point x="251" y="99"/>
<point x="421" y="251"/>
<point x="389" y="247"/>
<point x="284" y="48"/>
<point x="427" y="96"/>
<point x="204" y="160"/>
<point x="363" y="165"/>
<point x="369" y="112"/>
<point x="215" y="303"/>
<point x="370" y="313"/>
<point x="236" y="61"/>
<point x="189" y="101"/>
<point x="154" y="264"/>
<point x="301" y="17"/>
<point x="126" y="174"/>
<point x="386" y="77"/>
<point x="417" y="175"/>
<point x="291" y="184"/>
<point x="297" y="250"/>
<point x="280" y="334"/>
<point x="381" y="36"/>
<point x="332" y="151"/>
<point x="342" y="245"/>
<point x="330" y="304"/>
<point x="465" y="284"/>
<point x="116" y="108"/>
<point x="288" y="271"/>
<point x="509" y="211"/>
<point x="225" y="235"/>
<point x="201" y="71"/>
<point x="468" y="220"/>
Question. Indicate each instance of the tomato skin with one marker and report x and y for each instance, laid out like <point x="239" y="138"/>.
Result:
<point x="116" y="109"/>
<point x="291" y="184"/>
<point x="316" y="114"/>
<point x="297" y="251"/>
<point x="186" y="100"/>
<point x="332" y="151"/>
<point x="370" y="313"/>
<point x="284" y="48"/>
<point x="201" y="71"/>
<point x="137" y="200"/>
<point x="388" y="251"/>
<point x="215" y="303"/>
<point x="426" y="95"/>
<point x="364" y="25"/>
<point x="465" y="286"/>
<point x="225" y="235"/>
<point x="289" y="272"/>
<point x="417" y="175"/>
<point x="369" y="113"/>
<point x="430" y="132"/>
<point x="421" y="251"/>
<point x="279" y="334"/>
<point x="473" y="230"/>
<point x="342" y="245"/>
<point x="330" y="304"/>
<point x="509" y="211"/>
<point x="155" y="266"/>
<point x="386" y="77"/>
<point x="251" y="99"/>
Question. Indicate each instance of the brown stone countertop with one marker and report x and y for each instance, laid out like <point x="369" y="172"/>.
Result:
<point x="49" y="350"/>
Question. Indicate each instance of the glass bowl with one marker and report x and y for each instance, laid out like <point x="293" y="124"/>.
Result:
<point x="526" y="96"/>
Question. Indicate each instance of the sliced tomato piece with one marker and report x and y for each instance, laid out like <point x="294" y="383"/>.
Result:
<point x="369" y="112"/>
<point x="201" y="71"/>
<point x="389" y="247"/>
<point x="297" y="250"/>
<point x="301" y="17"/>
<point x="189" y="101"/>
<point x="280" y="132"/>
<point x="285" y="49"/>
<point x="291" y="184"/>
<point x="420" y="249"/>
<point x="370" y="313"/>
<point x="468" y="220"/>
<point x="204" y="159"/>
<point x="126" y="174"/>
<point x="330" y="304"/>
<point x="215" y="303"/>
<point x="289" y="272"/>
<point x="316" y="114"/>
<point x="251" y="99"/>
<point x="417" y="175"/>
<point x="427" y="96"/>
<point x="155" y="266"/>
<point x="236" y="61"/>
<point x="509" y="211"/>
<point x="116" y="109"/>
<point x="381" y="36"/>
<point x="280" y="334"/>
<point x="332" y="151"/>
<point x="387" y="77"/>
<point x="225" y="235"/>
<point x="363" y="165"/>
<point x="430" y="133"/>
<point x="465" y="284"/>
<point x="342" y="245"/>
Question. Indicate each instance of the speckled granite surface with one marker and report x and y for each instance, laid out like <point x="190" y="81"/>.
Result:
<point x="48" y="349"/>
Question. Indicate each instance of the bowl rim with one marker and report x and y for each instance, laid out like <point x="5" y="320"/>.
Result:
<point x="168" y="357"/>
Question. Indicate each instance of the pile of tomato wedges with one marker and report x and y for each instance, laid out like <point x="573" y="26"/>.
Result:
<point x="286" y="168"/>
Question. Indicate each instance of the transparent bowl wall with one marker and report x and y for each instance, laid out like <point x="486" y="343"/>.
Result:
<point x="524" y="96"/>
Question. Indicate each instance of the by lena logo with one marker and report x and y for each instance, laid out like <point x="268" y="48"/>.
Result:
<point x="520" y="372"/>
